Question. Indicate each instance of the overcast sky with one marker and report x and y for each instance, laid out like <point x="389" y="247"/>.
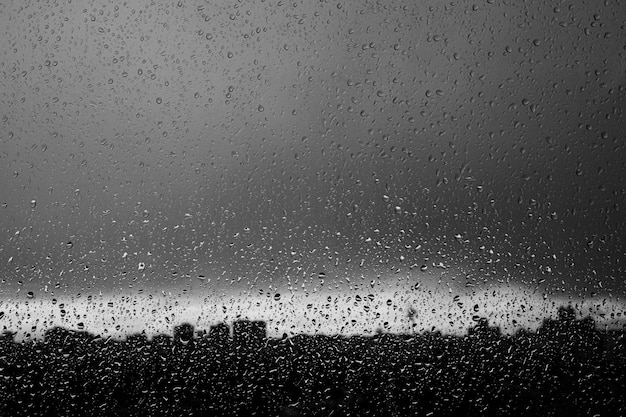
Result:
<point x="265" y="145"/>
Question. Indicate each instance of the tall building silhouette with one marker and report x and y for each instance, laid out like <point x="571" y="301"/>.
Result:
<point x="219" y="333"/>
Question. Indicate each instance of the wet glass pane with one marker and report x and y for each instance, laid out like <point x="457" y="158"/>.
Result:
<point x="312" y="208"/>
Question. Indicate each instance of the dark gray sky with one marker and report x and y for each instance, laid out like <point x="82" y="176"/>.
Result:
<point x="145" y="143"/>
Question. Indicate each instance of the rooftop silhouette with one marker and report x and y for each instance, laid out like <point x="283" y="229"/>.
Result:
<point x="567" y="366"/>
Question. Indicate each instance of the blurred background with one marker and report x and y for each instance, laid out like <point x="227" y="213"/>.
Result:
<point x="188" y="155"/>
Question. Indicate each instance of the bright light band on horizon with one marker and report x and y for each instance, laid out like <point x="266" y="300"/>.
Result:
<point x="346" y="313"/>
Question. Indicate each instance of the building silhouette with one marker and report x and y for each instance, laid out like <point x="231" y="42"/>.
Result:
<point x="246" y="332"/>
<point x="184" y="333"/>
<point x="219" y="333"/>
<point x="7" y="337"/>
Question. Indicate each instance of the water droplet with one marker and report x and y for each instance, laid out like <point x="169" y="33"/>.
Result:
<point x="33" y="203"/>
<point x="424" y="268"/>
<point x="159" y="100"/>
<point x="260" y="108"/>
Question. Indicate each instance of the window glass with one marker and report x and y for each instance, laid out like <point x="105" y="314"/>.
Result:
<point x="429" y="169"/>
